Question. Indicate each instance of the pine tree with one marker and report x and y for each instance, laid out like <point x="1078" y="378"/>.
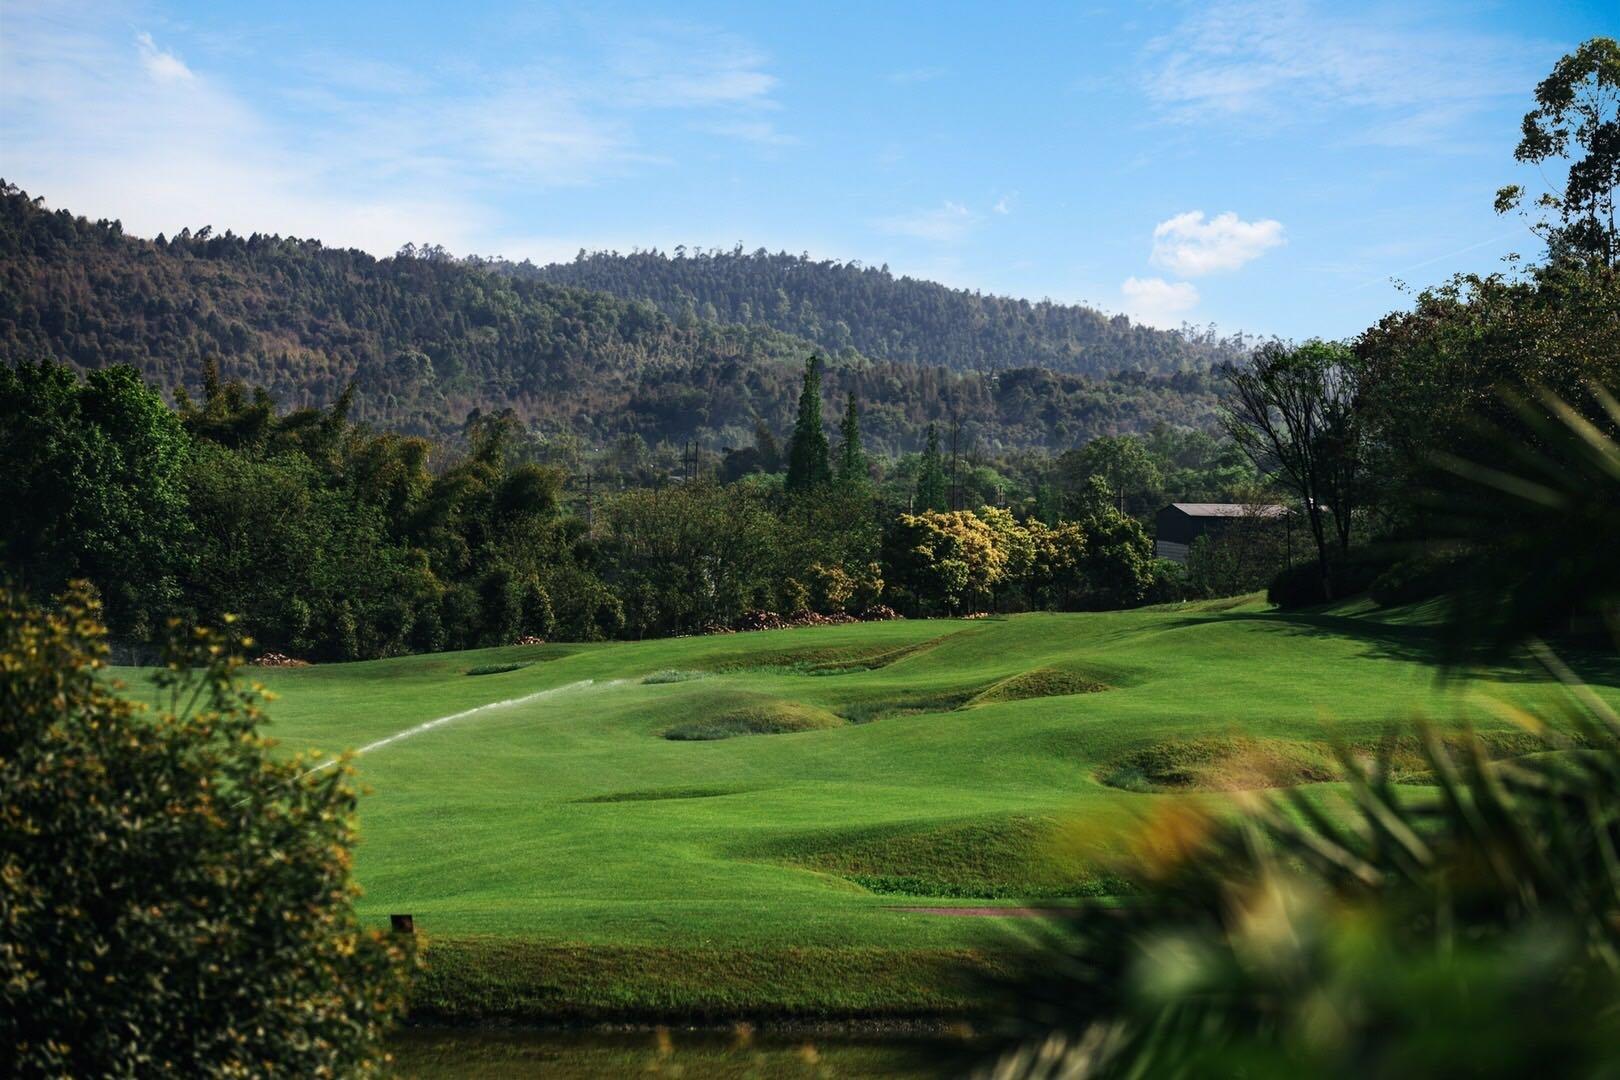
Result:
<point x="853" y="473"/>
<point x="807" y="453"/>
<point x="931" y="477"/>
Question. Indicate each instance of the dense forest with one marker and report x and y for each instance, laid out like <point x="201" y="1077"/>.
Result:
<point x="841" y="306"/>
<point x="426" y="339"/>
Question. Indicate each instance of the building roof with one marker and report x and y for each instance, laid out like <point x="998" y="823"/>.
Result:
<point x="1230" y="510"/>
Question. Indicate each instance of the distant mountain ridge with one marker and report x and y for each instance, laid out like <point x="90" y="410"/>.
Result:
<point x="426" y="338"/>
<point x="851" y="306"/>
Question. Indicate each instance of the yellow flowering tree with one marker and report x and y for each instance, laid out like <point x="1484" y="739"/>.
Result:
<point x="175" y="898"/>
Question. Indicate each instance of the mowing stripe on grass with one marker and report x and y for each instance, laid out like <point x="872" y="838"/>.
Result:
<point x="441" y="721"/>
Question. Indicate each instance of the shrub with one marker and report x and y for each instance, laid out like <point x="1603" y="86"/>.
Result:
<point x="1420" y="577"/>
<point x="1301" y="586"/>
<point x="175" y="895"/>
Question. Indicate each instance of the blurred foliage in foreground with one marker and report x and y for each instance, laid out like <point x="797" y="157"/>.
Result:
<point x="1465" y="927"/>
<point x="174" y="899"/>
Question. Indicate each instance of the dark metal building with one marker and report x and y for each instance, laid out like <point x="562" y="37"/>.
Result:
<point x="1179" y="524"/>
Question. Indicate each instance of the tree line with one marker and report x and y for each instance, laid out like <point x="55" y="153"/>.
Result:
<point x="425" y="339"/>
<point x="839" y="306"/>
<point x="332" y="539"/>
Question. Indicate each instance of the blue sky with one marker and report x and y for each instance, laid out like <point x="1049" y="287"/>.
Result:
<point x="1264" y="165"/>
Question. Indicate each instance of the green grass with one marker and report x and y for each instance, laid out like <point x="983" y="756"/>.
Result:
<point x="564" y="856"/>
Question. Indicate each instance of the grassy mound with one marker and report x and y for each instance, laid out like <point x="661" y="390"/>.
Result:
<point x="764" y="716"/>
<point x="912" y="704"/>
<point x="835" y="660"/>
<point x="1039" y="683"/>
<point x="1004" y="857"/>
<point x="1220" y="763"/>
<point x="493" y="669"/>
<point x="659" y="678"/>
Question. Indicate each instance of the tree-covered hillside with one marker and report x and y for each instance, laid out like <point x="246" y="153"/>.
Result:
<point x="426" y="339"/>
<point x="848" y="305"/>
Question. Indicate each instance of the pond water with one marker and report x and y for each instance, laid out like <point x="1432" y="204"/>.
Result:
<point x="435" y="1053"/>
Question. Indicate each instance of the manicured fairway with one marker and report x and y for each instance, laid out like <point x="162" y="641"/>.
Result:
<point x="937" y="760"/>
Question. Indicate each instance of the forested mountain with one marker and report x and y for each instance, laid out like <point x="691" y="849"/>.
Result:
<point x="848" y="305"/>
<point x="426" y="339"/>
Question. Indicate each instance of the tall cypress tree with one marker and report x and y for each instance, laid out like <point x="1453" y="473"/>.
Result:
<point x="931" y="477"/>
<point x="807" y="453"/>
<point x="852" y="469"/>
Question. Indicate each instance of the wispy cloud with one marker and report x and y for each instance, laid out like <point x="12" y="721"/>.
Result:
<point x="945" y="223"/>
<point x="1004" y="205"/>
<point x="1392" y="78"/>
<point x="1189" y="245"/>
<point x="354" y="151"/>
<point x="162" y="66"/>
<point x="1158" y="302"/>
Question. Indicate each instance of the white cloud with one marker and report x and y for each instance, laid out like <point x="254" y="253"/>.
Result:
<point x="942" y="224"/>
<point x="354" y="152"/>
<point x="162" y="66"/>
<point x="1003" y="205"/>
<point x="1191" y="246"/>
<point x="1158" y="302"/>
<point x="1388" y="77"/>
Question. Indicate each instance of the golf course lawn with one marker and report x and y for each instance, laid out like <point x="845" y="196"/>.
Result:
<point x="564" y="858"/>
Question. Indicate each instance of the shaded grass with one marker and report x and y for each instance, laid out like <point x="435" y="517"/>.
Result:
<point x="740" y="1054"/>
<point x="482" y="979"/>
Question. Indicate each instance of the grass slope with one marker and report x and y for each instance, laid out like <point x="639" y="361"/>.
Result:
<point x="565" y="857"/>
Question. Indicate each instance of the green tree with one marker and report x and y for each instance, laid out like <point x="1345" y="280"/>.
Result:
<point x="931" y="494"/>
<point x="853" y="472"/>
<point x="807" y="451"/>
<point x="1576" y="119"/>
<point x="1121" y="460"/>
<point x="175" y="894"/>
<point x="92" y="478"/>
<point x="1294" y="411"/>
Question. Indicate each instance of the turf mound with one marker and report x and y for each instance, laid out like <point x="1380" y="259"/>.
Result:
<point x="1002" y="857"/>
<point x="764" y="716"/>
<point x="1039" y="683"/>
<point x="1241" y="763"/>
<point x="914" y="704"/>
<point x="1220" y="763"/>
<point x="493" y="669"/>
<point x="659" y="794"/>
<point x="833" y="660"/>
<point x="659" y="678"/>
